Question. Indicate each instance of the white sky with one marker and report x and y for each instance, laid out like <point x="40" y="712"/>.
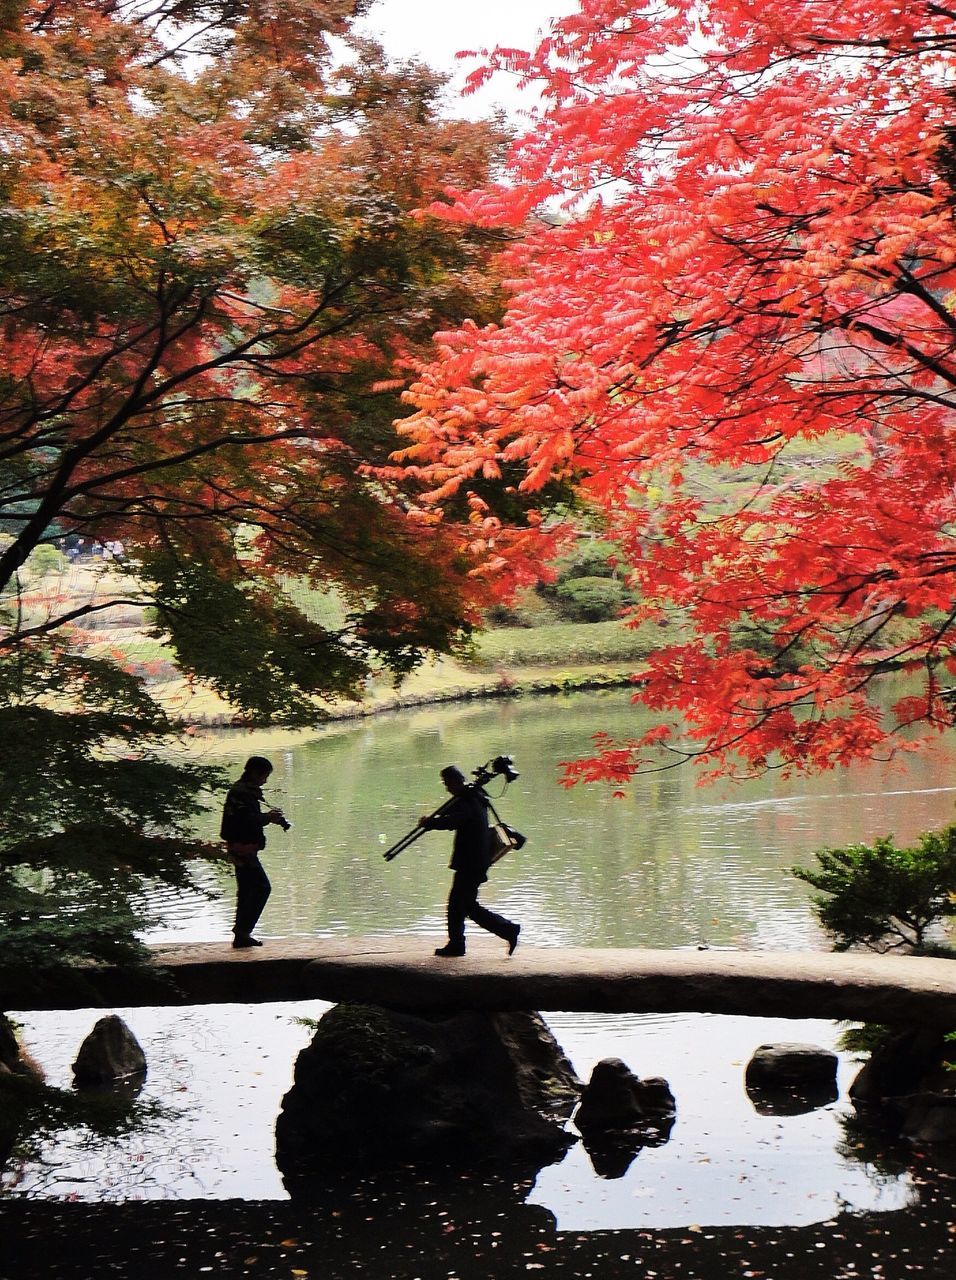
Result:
<point x="435" y="30"/>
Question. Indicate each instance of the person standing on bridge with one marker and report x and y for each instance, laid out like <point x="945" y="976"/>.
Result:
<point x="467" y="815"/>
<point x="243" y="829"/>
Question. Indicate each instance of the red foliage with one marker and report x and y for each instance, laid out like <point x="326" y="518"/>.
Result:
<point x="736" y="334"/>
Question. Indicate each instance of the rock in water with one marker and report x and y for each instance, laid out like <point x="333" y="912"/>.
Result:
<point x="619" y="1115"/>
<point x="110" y="1052"/>
<point x="792" y="1066"/>
<point x="908" y="1086"/>
<point x="791" y="1079"/>
<point x="377" y="1088"/>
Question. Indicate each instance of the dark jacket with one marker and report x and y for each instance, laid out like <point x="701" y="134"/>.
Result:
<point x="467" y="815"/>
<point x="243" y="821"/>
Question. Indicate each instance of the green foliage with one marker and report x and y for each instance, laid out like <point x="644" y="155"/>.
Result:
<point x="565" y="642"/>
<point x="593" y="599"/>
<point x="44" y="560"/>
<point x="590" y="558"/>
<point x="214" y="281"/>
<point x="883" y="897"/>
<point x="862" y="1038"/>
<point x="93" y="809"/>
<point x="589" y="582"/>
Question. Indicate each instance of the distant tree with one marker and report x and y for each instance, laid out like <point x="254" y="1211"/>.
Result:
<point x="751" y="281"/>
<point x="884" y="897"/>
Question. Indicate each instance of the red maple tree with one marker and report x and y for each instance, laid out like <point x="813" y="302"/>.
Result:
<point x="731" y="325"/>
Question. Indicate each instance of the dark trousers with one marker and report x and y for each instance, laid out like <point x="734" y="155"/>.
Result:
<point x="463" y="905"/>
<point x="252" y="894"/>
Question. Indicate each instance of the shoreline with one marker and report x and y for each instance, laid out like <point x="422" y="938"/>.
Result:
<point x="510" y="685"/>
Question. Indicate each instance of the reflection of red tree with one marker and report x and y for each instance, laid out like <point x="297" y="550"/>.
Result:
<point x="765" y="297"/>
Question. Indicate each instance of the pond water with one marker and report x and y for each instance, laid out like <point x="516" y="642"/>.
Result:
<point x="671" y="866"/>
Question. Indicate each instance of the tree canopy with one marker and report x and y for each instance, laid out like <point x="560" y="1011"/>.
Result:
<point x="730" y="324"/>
<point x="212" y="281"/>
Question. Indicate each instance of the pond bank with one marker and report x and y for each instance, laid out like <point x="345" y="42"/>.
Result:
<point x="449" y="684"/>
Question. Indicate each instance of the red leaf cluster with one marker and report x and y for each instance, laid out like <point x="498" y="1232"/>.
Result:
<point x="732" y="326"/>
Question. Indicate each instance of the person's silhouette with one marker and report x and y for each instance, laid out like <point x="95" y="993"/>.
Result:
<point x="467" y="815"/>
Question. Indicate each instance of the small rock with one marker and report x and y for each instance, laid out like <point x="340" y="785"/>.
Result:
<point x="110" y="1052"/>
<point x="788" y="1066"/>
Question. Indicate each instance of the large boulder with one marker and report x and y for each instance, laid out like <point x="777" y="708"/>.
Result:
<point x="18" y="1073"/>
<point x="10" y="1062"/>
<point x="109" y="1053"/>
<point x="377" y="1088"/>
<point x="908" y="1086"/>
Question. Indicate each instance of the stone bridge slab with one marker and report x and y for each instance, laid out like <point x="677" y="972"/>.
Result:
<point x="401" y="972"/>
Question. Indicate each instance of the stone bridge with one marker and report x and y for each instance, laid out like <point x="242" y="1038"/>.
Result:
<point x="401" y="972"/>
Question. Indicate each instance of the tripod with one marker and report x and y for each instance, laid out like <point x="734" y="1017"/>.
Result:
<point x="415" y="833"/>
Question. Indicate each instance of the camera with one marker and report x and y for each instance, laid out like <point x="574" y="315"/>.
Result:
<point x="500" y="766"/>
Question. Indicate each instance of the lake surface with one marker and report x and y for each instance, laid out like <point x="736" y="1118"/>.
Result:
<point x="672" y="866"/>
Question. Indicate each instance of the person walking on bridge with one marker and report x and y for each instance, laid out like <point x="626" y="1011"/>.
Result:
<point x="243" y="829"/>
<point x="467" y="815"/>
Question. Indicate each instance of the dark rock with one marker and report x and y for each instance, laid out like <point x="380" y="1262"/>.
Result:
<point x="905" y="1062"/>
<point x="930" y="1118"/>
<point x="620" y="1115"/>
<point x="9" y="1049"/>
<point x="377" y="1088"/>
<point x="791" y="1079"/>
<point x="109" y="1053"/>
<point x="792" y="1066"/>
<point x="14" y="1060"/>
<point x="612" y="1151"/>
<point x="794" y="1100"/>
<point x="545" y="1079"/>
<point x="615" y="1099"/>
<point x="908" y="1088"/>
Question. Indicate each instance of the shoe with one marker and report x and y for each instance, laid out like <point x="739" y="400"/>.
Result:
<point x="240" y="943"/>
<point x="450" y="950"/>
<point x="513" y="939"/>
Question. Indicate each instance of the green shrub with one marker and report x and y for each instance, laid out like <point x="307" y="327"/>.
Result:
<point x="592" y="599"/>
<point x="589" y="559"/>
<point x="883" y="897"/>
<point x="44" y="560"/>
<point x="558" y="644"/>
